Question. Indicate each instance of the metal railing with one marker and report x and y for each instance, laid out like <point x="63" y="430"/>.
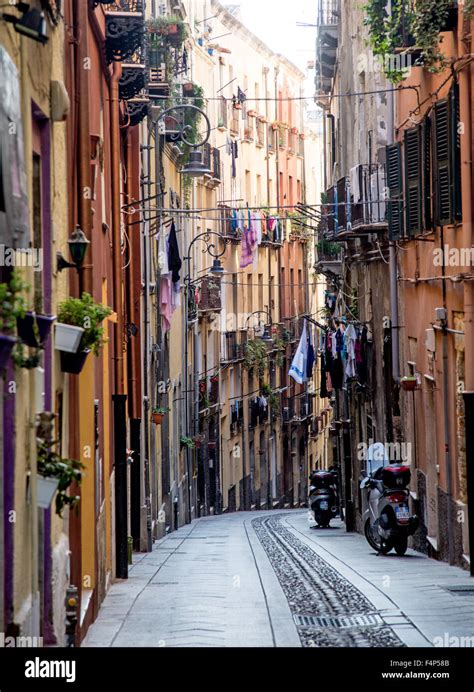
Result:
<point x="328" y="12"/>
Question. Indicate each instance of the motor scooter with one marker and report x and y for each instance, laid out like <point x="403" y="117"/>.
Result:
<point x="322" y="497"/>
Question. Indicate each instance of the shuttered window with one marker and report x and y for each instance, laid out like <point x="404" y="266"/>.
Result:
<point x="413" y="186"/>
<point x="426" y="173"/>
<point x="395" y="189"/>
<point x="446" y="160"/>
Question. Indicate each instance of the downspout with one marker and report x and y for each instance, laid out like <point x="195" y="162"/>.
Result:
<point x="392" y="265"/>
<point x="119" y="397"/>
<point x="465" y="99"/>
<point x="84" y="145"/>
<point x="116" y="225"/>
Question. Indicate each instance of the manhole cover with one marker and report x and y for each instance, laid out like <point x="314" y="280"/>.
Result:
<point x="341" y="621"/>
<point x="460" y="589"/>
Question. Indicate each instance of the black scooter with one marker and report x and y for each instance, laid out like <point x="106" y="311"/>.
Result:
<point x="323" y="497"/>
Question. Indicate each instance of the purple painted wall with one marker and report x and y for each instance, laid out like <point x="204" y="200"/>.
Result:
<point x="44" y="127"/>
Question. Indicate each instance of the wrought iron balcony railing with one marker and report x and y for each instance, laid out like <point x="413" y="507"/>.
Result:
<point x="125" y="29"/>
<point x="356" y="202"/>
<point x="133" y="79"/>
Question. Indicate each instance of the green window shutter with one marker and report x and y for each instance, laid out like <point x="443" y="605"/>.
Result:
<point x="395" y="189"/>
<point x="456" y="152"/>
<point x="442" y="148"/>
<point x="413" y="208"/>
<point x="426" y="173"/>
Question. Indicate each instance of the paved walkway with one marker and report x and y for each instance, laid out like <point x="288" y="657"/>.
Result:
<point x="265" y="579"/>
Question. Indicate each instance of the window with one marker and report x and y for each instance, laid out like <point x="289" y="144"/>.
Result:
<point x="395" y="190"/>
<point x="446" y="160"/>
<point x="413" y="188"/>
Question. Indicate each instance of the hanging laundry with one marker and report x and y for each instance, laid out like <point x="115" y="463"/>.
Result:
<point x="241" y="97"/>
<point x="288" y="230"/>
<point x="174" y="259"/>
<point x="350" y="338"/>
<point x="166" y="308"/>
<point x="311" y="356"/>
<point x="246" y="256"/>
<point x="298" y="366"/>
<point x="162" y="252"/>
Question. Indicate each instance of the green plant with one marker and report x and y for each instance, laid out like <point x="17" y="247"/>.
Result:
<point x="255" y="357"/>
<point x="274" y="401"/>
<point x="468" y="8"/>
<point x="280" y="348"/>
<point x="161" y="25"/>
<point x="411" y="23"/>
<point x="325" y="247"/>
<point x="27" y="362"/>
<point x="12" y="304"/>
<point x="52" y="465"/>
<point x="187" y="442"/>
<point x="86" y="313"/>
<point x="266" y="389"/>
<point x="161" y="410"/>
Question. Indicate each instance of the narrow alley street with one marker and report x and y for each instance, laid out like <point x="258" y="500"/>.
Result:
<point x="261" y="579"/>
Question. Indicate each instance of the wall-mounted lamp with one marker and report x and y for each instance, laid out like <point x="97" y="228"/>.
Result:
<point x="78" y="244"/>
<point x="32" y="23"/>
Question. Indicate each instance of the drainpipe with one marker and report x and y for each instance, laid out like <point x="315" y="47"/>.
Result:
<point x="119" y="397"/>
<point x="465" y="94"/>
<point x="84" y="145"/>
<point x="392" y="265"/>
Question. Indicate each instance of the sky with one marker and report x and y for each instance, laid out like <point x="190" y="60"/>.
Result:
<point x="274" y="21"/>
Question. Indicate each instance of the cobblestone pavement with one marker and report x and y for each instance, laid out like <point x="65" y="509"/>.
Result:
<point x="266" y="579"/>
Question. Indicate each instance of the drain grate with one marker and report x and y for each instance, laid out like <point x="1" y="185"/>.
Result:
<point x="339" y="622"/>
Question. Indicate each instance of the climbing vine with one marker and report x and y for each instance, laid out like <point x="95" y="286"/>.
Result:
<point x="411" y="23"/>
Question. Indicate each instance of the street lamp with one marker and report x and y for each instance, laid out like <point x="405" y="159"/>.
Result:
<point x="265" y="336"/>
<point x="78" y="244"/>
<point x="32" y="23"/>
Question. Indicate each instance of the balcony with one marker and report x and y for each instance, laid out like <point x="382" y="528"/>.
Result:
<point x="125" y="29"/>
<point x="326" y="44"/>
<point x="158" y="77"/>
<point x="211" y="157"/>
<point x="133" y="79"/>
<point x="258" y="412"/>
<point x="208" y="392"/>
<point x="210" y="295"/>
<point x="227" y="229"/>
<point x="234" y="346"/>
<point x="297" y="409"/>
<point x="236" y="416"/>
<point x="356" y="205"/>
<point x="329" y="257"/>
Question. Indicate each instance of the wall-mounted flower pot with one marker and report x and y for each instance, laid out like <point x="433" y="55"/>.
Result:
<point x="46" y="489"/>
<point x="6" y="346"/>
<point x="26" y="328"/>
<point x="210" y="51"/>
<point x="200" y="41"/>
<point x="67" y="337"/>
<point x="73" y="363"/>
<point x="188" y="87"/>
<point x="409" y="384"/>
<point x="157" y="418"/>
<point x="212" y="445"/>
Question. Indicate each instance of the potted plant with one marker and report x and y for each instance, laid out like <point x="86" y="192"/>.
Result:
<point x="12" y="306"/>
<point x="55" y="474"/>
<point x="211" y="52"/>
<point x="85" y="316"/>
<point x="158" y="413"/>
<point x="186" y="442"/>
<point x="34" y="329"/>
<point x="409" y="383"/>
<point x="198" y="440"/>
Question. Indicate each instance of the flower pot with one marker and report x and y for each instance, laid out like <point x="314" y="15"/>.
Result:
<point x="157" y="418"/>
<point x="26" y="328"/>
<point x="409" y="383"/>
<point x="73" y="363"/>
<point x="212" y="445"/>
<point x="200" y="41"/>
<point x="46" y="489"/>
<point x="67" y="337"/>
<point x="210" y="51"/>
<point x="188" y="87"/>
<point x="172" y="29"/>
<point x="6" y="346"/>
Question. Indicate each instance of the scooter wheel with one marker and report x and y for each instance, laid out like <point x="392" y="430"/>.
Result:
<point x="376" y="545"/>
<point x="401" y="546"/>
